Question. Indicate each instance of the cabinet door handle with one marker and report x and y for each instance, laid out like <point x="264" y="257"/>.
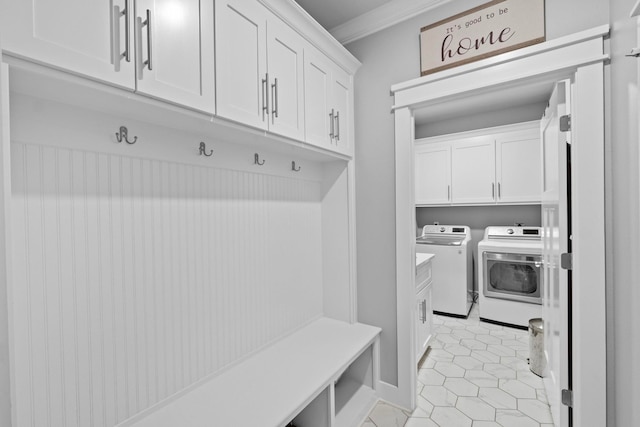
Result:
<point x="274" y="98"/>
<point x="265" y="95"/>
<point x="127" y="36"/>
<point x="337" y="135"/>
<point x="424" y="310"/>
<point x="115" y="38"/>
<point x="499" y="190"/>
<point x="448" y="193"/>
<point x="148" y="63"/>
<point x="331" y="125"/>
<point x="116" y="56"/>
<point x="493" y="190"/>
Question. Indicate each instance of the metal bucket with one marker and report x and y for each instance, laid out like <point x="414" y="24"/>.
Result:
<point x="537" y="362"/>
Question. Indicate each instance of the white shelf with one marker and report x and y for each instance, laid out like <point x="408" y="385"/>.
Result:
<point x="355" y="399"/>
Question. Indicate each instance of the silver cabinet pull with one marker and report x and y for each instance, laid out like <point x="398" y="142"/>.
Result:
<point x="127" y="36"/>
<point x="116" y="56"/>
<point x="493" y="190"/>
<point x="274" y="98"/>
<point x="448" y="192"/>
<point x="499" y="191"/>
<point x="115" y="38"/>
<point x="337" y="135"/>
<point x="265" y="95"/>
<point x="331" y="133"/>
<point x="148" y="63"/>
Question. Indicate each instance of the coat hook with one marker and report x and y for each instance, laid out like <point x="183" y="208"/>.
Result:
<point x="293" y="167"/>
<point x="123" y="135"/>
<point x="256" y="160"/>
<point x="203" y="150"/>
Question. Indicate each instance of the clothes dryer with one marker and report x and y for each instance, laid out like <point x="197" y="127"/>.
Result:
<point x="510" y="275"/>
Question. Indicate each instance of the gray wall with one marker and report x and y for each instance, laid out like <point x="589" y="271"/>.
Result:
<point x="389" y="57"/>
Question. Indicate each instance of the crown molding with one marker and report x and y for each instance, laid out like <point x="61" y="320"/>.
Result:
<point x="300" y="21"/>
<point x="636" y="9"/>
<point x="382" y="17"/>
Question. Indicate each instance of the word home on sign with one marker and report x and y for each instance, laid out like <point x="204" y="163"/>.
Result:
<point x="490" y="29"/>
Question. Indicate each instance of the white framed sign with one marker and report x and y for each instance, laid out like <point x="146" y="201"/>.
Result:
<point x="487" y="30"/>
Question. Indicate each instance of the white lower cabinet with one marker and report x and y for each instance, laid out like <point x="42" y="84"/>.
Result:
<point x="500" y="165"/>
<point x="424" y="309"/>
<point x="425" y="320"/>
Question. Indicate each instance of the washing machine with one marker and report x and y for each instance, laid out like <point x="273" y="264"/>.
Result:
<point x="510" y="275"/>
<point x="452" y="292"/>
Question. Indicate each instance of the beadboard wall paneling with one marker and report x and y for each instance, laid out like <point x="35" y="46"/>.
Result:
<point x="134" y="278"/>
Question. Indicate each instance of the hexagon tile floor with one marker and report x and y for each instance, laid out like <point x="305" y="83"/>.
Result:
<point x="475" y="375"/>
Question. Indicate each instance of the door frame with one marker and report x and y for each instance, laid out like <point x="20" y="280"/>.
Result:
<point x="581" y="58"/>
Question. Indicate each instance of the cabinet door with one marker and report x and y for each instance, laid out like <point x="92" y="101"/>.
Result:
<point x="317" y="110"/>
<point x="285" y="63"/>
<point x="425" y="320"/>
<point x="241" y="62"/>
<point x="518" y="170"/>
<point x="433" y="174"/>
<point x="473" y="171"/>
<point x="341" y="88"/>
<point x="178" y="43"/>
<point x="84" y="37"/>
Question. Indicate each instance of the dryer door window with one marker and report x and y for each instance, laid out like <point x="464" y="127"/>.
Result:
<point x="513" y="276"/>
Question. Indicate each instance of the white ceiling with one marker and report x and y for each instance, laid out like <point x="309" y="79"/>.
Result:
<point x="331" y="13"/>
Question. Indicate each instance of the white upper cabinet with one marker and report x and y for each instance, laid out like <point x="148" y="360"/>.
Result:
<point x="328" y="104"/>
<point x="317" y="95"/>
<point x="92" y="38"/>
<point x="518" y="167"/>
<point x="285" y="65"/>
<point x="473" y="171"/>
<point x="241" y="56"/>
<point x="433" y="174"/>
<point x="499" y="165"/>
<point x="175" y="51"/>
<point x="260" y="68"/>
<point x="342" y="92"/>
<point x="171" y="43"/>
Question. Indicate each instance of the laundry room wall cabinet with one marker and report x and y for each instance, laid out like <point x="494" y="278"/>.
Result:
<point x="499" y="165"/>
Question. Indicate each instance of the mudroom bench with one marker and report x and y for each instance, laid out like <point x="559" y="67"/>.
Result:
<point x="323" y="375"/>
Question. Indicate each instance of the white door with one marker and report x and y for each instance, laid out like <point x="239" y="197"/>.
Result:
<point x="556" y="310"/>
<point x="285" y="59"/>
<point x="433" y="174"/>
<point x="317" y="80"/>
<point x="175" y="52"/>
<point x="341" y="96"/>
<point x="86" y="37"/>
<point x="473" y="171"/>
<point x="241" y="62"/>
